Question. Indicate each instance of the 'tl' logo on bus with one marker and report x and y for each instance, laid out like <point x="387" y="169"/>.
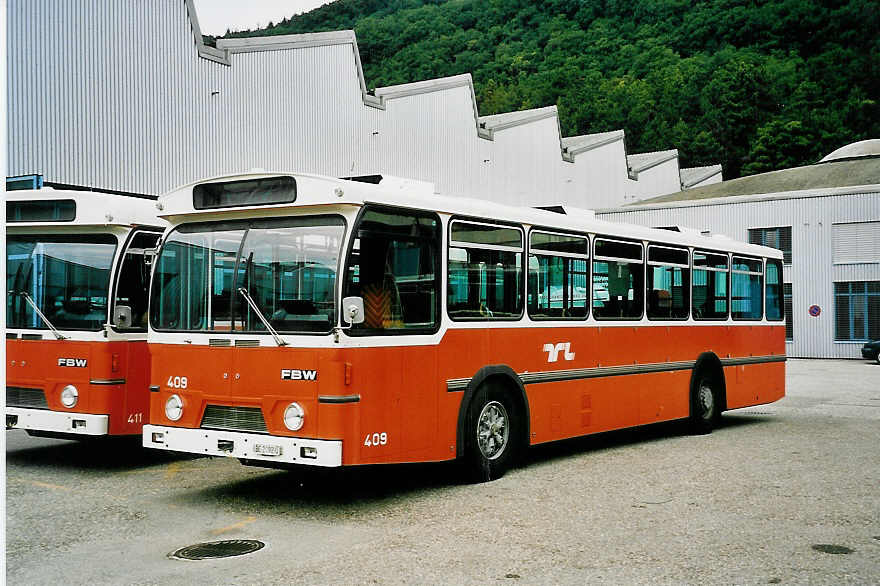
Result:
<point x="553" y="351"/>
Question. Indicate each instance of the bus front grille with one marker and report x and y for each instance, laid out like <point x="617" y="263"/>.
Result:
<point x="29" y="398"/>
<point x="247" y="419"/>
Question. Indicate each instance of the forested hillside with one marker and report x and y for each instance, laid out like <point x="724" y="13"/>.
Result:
<point x="753" y="84"/>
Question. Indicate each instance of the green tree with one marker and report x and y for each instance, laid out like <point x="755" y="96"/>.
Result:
<point x="780" y="145"/>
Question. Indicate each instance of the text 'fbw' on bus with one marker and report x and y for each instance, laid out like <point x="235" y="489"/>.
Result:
<point x="298" y="319"/>
<point x="77" y="276"/>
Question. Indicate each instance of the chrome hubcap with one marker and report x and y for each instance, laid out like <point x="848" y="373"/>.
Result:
<point x="707" y="401"/>
<point x="493" y="430"/>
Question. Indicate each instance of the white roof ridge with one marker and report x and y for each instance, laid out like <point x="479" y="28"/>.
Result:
<point x="639" y="162"/>
<point x="517" y="117"/>
<point x="691" y="176"/>
<point x="585" y="142"/>
<point x="426" y="85"/>
<point x="284" y="42"/>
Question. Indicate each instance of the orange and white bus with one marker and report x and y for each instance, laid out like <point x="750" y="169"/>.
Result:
<point x="74" y="259"/>
<point x="298" y="319"/>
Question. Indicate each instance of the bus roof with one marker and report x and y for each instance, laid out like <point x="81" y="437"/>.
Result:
<point x="88" y="208"/>
<point x="177" y="206"/>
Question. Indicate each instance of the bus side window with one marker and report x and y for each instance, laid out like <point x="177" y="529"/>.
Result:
<point x="618" y="280"/>
<point x="747" y="288"/>
<point x="134" y="279"/>
<point x="558" y="284"/>
<point x="485" y="271"/>
<point x="668" y="283"/>
<point x="710" y="290"/>
<point x="393" y="266"/>
<point x="773" y="291"/>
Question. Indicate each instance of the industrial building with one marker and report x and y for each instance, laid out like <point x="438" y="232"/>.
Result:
<point x="126" y="96"/>
<point x="826" y="220"/>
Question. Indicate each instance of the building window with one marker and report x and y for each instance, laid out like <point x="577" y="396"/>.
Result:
<point x="778" y="238"/>
<point x="789" y="315"/>
<point x="855" y="243"/>
<point x="857" y="311"/>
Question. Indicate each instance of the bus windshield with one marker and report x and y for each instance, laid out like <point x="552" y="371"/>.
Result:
<point x="66" y="276"/>
<point x="287" y="266"/>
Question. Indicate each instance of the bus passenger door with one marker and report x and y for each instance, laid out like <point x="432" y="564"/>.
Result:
<point x="394" y="267"/>
<point x="398" y="411"/>
<point x="377" y="376"/>
<point x="131" y="360"/>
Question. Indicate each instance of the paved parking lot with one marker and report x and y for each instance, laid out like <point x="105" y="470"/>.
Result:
<point x="744" y="505"/>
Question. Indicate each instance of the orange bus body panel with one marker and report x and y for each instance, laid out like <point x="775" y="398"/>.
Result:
<point x="402" y="390"/>
<point x="35" y="364"/>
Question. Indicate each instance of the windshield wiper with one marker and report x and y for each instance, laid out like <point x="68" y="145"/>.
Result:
<point x="36" y="309"/>
<point x="278" y="339"/>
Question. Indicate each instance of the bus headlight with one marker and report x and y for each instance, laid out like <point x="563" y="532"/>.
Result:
<point x="69" y="396"/>
<point x="174" y="408"/>
<point x="294" y="416"/>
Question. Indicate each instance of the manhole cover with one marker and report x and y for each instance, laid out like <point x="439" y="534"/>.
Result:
<point x="830" y="548"/>
<point x="217" y="549"/>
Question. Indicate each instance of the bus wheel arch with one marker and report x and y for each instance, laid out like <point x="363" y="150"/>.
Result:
<point x="495" y="393"/>
<point x="708" y="393"/>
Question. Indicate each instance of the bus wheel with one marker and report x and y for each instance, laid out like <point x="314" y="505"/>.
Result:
<point x="492" y="438"/>
<point x="705" y="407"/>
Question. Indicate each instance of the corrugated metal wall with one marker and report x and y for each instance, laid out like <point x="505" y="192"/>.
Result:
<point x="659" y="180"/>
<point x="604" y="170"/>
<point x="525" y="163"/>
<point x="432" y="137"/>
<point x="293" y="110"/>
<point x="812" y="272"/>
<point x="115" y="95"/>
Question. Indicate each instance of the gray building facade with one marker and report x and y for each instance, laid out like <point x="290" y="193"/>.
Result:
<point x="830" y="236"/>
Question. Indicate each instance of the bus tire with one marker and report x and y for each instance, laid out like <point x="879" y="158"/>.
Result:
<point x="492" y="433"/>
<point x="705" y="402"/>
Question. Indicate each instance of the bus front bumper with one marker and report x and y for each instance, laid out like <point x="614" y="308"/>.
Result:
<point x="249" y="446"/>
<point x="56" y="421"/>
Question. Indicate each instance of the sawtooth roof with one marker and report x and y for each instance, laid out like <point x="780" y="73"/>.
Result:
<point x="695" y="175"/>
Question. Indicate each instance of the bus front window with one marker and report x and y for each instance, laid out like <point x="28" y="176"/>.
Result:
<point x="67" y="277"/>
<point x="288" y="267"/>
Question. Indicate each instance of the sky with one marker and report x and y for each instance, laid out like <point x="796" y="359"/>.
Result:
<point x="215" y="16"/>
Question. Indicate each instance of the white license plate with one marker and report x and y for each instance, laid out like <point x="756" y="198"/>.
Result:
<point x="267" y="449"/>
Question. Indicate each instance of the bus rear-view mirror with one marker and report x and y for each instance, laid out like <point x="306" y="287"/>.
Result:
<point x="122" y="316"/>
<point x="353" y="310"/>
<point x="150" y="255"/>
